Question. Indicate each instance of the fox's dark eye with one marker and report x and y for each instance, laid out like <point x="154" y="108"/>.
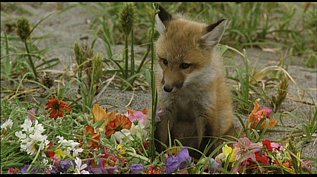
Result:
<point x="185" y="65"/>
<point x="165" y="62"/>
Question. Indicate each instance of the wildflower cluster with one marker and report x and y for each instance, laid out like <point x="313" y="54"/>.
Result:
<point x="31" y="137"/>
<point x="114" y="143"/>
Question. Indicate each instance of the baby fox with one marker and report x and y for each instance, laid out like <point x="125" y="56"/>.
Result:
<point x="193" y="97"/>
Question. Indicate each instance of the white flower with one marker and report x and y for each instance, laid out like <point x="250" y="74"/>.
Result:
<point x="123" y="136"/>
<point x="26" y="125"/>
<point x="31" y="138"/>
<point x="7" y="124"/>
<point x="29" y="147"/>
<point x="138" y="131"/>
<point x="69" y="145"/>
<point x="76" y="151"/>
<point x="20" y="135"/>
<point x="79" y="167"/>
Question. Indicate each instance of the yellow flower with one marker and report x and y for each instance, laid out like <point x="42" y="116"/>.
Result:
<point x="229" y="151"/>
<point x="60" y="153"/>
<point x="121" y="149"/>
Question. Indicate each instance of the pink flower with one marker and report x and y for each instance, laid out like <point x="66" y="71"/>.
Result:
<point x="247" y="149"/>
<point x="31" y="114"/>
<point x="140" y="116"/>
<point x="277" y="146"/>
<point x="268" y="111"/>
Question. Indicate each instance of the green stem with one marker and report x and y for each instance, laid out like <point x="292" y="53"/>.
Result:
<point x="126" y="55"/>
<point x="154" y="94"/>
<point x="30" y="60"/>
<point x="37" y="154"/>
<point x="132" y="53"/>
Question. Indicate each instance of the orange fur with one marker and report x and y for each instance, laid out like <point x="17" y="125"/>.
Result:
<point x="199" y="103"/>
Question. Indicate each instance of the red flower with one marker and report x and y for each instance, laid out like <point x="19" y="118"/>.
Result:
<point x="50" y="153"/>
<point x="95" y="137"/>
<point x="57" y="107"/>
<point x="267" y="144"/>
<point x="262" y="158"/>
<point x="153" y="170"/>
<point x="12" y="170"/>
<point x="117" y="124"/>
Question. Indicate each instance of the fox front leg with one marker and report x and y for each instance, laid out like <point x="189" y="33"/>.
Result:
<point x="162" y="128"/>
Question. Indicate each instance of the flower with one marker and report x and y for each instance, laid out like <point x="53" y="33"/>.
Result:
<point x="137" y="168"/>
<point x="171" y="164"/>
<point x="101" y="114"/>
<point x="213" y="165"/>
<point x="246" y="149"/>
<point x="262" y="158"/>
<point x="139" y="116"/>
<point x="25" y="168"/>
<point x="57" y="107"/>
<point x="80" y="167"/>
<point x="153" y="170"/>
<point x="119" y="123"/>
<point x="110" y="170"/>
<point x="12" y="170"/>
<point x="183" y="158"/>
<point x="257" y="114"/>
<point x="7" y="124"/>
<point x="68" y="146"/>
<point x="23" y="28"/>
<point x="64" y="165"/>
<point x="31" y="137"/>
<point x="95" y="137"/>
<point x="228" y="151"/>
<point x="123" y="135"/>
<point x="111" y="158"/>
<point x="277" y="146"/>
<point x="267" y="144"/>
<point x="103" y="166"/>
<point x="121" y="149"/>
<point x="31" y="114"/>
<point x="60" y="153"/>
<point x="180" y="161"/>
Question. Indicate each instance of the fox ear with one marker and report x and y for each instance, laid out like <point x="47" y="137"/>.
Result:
<point x="162" y="18"/>
<point x="214" y="33"/>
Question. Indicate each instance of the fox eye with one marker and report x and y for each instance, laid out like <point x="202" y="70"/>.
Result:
<point x="185" y="65"/>
<point x="165" y="62"/>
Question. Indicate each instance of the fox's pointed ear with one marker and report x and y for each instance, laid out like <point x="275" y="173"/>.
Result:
<point x="214" y="33"/>
<point x="162" y="18"/>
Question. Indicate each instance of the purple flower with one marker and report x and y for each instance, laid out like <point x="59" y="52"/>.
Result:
<point x="181" y="161"/>
<point x="171" y="164"/>
<point x="64" y="165"/>
<point x="183" y="158"/>
<point x="137" y="168"/>
<point x="32" y="170"/>
<point x="24" y="169"/>
<point x="213" y="165"/>
<point x="101" y="169"/>
<point x="110" y="170"/>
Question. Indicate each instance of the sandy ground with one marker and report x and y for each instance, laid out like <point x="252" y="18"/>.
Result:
<point x="69" y="26"/>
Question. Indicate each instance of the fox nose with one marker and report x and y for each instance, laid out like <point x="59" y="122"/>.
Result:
<point x="167" y="88"/>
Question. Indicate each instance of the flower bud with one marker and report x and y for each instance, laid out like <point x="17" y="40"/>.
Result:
<point x="23" y="28"/>
<point x="127" y="17"/>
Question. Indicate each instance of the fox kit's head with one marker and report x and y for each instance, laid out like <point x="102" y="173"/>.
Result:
<point x="184" y="48"/>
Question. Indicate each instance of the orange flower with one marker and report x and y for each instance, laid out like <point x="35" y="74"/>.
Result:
<point x="117" y="124"/>
<point x="257" y="114"/>
<point x="95" y="137"/>
<point x="57" y="107"/>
